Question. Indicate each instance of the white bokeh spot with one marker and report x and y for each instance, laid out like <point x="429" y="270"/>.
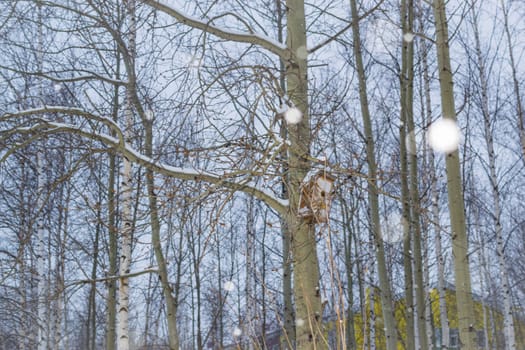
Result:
<point x="393" y="230"/>
<point x="293" y="115"/>
<point x="237" y="332"/>
<point x="299" y="322"/>
<point x="191" y="61"/>
<point x="444" y="135"/>
<point x="229" y="286"/>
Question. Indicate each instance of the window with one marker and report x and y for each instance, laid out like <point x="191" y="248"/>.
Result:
<point x="454" y="338"/>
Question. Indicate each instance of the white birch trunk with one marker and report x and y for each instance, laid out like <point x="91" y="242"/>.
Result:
<point x="517" y="91"/>
<point x="484" y="303"/>
<point x="41" y="258"/>
<point x="508" y="318"/>
<point x="23" y="303"/>
<point x="126" y="189"/>
<point x="443" y="317"/>
<point x="40" y="250"/>
<point x="417" y="336"/>
<point x="428" y="309"/>
<point x="125" y="251"/>
<point x="485" y="273"/>
<point x="58" y="310"/>
<point x="250" y="303"/>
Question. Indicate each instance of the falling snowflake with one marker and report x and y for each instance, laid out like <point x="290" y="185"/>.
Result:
<point x="293" y="115"/>
<point x="444" y="135"/>
<point x="57" y="87"/>
<point x="194" y="62"/>
<point x="191" y="61"/>
<point x="299" y="322"/>
<point x="229" y="286"/>
<point x="237" y="332"/>
<point x="408" y="37"/>
<point x="393" y="228"/>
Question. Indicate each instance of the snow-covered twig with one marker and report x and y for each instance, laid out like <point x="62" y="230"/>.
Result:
<point x="224" y="33"/>
<point x="46" y="127"/>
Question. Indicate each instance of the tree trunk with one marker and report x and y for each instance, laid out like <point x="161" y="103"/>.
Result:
<point x="171" y="302"/>
<point x="250" y="324"/>
<point x="307" y="294"/>
<point x="454" y="186"/>
<point x="347" y="241"/>
<point x="288" y="312"/>
<point x="125" y="249"/>
<point x="23" y="233"/>
<point x="42" y="234"/>
<point x="520" y="113"/>
<point x="40" y="250"/>
<point x="91" y="333"/>
<point x="372" y="312"/>
<point x="127" y="202"/>
<point x="415" y="206"/>
<point x="111" y="303"/>
<point x="407" y="247"/>
<point x="406" y="103"/>
<point x="361" y="275"/>
<point x="373" y="196"/>
<point x="443" y="318"/>
<point x="508" y="317"/>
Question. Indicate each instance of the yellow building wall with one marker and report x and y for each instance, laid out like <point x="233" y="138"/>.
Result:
<point x="361" y="330"/>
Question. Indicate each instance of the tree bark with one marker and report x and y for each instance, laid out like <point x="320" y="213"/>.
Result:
<point x="111" y="303"/>
<point x="415" y="206"/>
<point x="443" y="317"/>
<point x="454" y="186"/>
<point x="407" y="246"/>
<point x="127" y="201"/>
<point x="171" y="302"/>
<point x="406" y="103"/>
<point x="520" y="113"/>
<point x="508" y="317"/>
<point x="288" y="312"/>
<point x="42" y="234"/>
<point x="307" y="294"/>
<point x="250" y="324"/>
<point x="347" y="215"/>
<point x="373" y="193"/>
<point x="91" y="333"/>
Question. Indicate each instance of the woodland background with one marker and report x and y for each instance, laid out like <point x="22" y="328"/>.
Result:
<point x="150" y="182"/>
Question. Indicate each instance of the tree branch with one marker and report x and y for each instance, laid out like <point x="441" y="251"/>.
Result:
<point x="233" y="35"/>
<point x="348" y="26"/>
<point x="44" y="127"/>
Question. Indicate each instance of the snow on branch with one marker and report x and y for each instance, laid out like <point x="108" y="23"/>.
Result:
<point x="52" y="75"/>
<point x="224" y="33"/>
<point x="69" y="111"/>
<point x="44" y="127"/>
